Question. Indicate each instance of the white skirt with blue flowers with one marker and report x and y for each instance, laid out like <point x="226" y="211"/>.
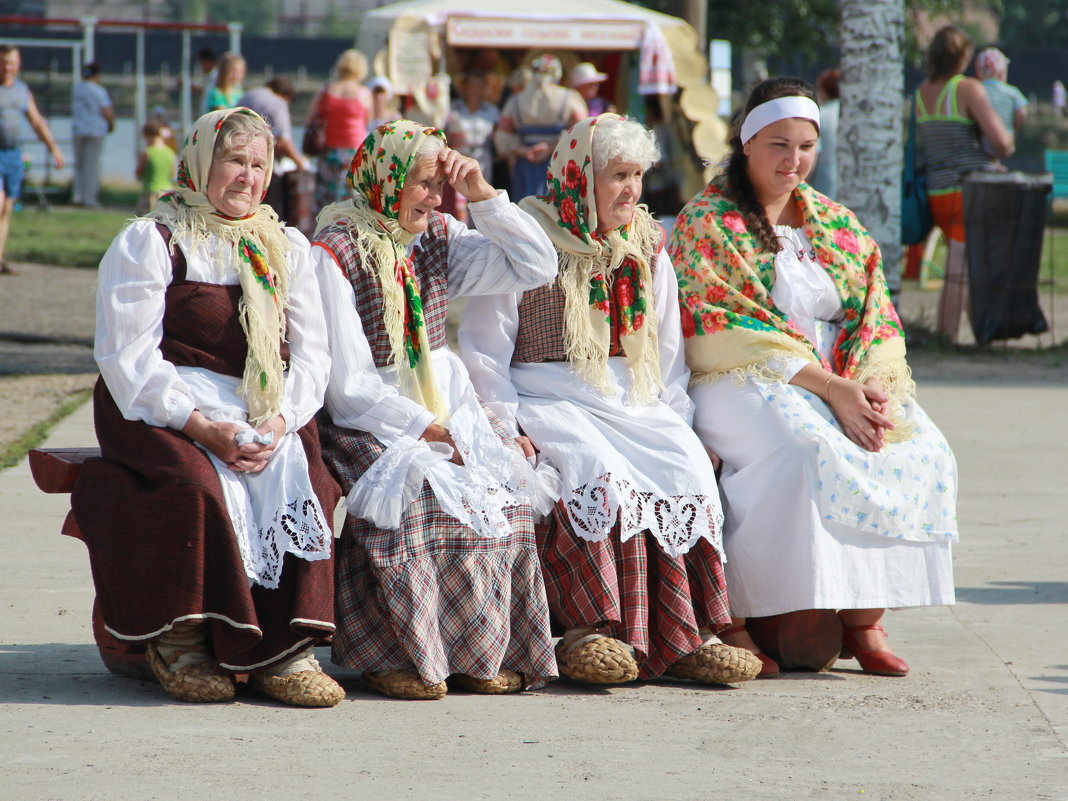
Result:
<point x="813" y="521"/>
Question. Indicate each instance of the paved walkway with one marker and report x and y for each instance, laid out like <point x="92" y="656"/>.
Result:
<point x="983" y="715"/>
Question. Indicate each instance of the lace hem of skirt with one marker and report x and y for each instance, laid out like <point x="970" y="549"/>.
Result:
<point x="677" y="521"/>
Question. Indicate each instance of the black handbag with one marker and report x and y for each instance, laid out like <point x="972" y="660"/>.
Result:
<point x="314" y="141"/>
<point x="916" y="218"/>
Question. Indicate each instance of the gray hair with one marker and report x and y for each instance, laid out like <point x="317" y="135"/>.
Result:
<point x="242" y="126"/>
<point x="624" y="139"/>
<point x="428" y="148"/>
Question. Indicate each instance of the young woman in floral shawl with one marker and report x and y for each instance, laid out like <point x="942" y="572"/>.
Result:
<point x="438" y="569"/>
<point x="208" y="519"/>
<point x="841" y="492"/>
<point x="590" y="368"/>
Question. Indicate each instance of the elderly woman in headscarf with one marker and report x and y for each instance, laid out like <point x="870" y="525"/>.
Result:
<point x="590" y="368"/>
<point x="437" y="564"/>
<point x="208" y="517"/>
<point x="533" y="120"/>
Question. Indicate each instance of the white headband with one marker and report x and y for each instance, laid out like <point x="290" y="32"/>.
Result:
<point x="781" y="108"/>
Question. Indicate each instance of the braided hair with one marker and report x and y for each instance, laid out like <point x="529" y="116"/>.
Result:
<point x="737" y="186"/>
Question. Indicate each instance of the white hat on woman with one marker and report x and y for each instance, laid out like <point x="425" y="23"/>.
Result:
<point x="586" y="73"/>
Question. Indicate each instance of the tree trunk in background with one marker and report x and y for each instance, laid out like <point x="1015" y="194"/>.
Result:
<point x="870" y="143"/>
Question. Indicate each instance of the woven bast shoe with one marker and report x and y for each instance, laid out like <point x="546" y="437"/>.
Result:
<point x="304" y="688"/>
<point x="201" y="682"/>
<point x="404" y="684"/>
<point x="596" y="659"/>
<point x="716" y="663"/>
<point x="507" y="681"/>
<point x="769" y="667"/>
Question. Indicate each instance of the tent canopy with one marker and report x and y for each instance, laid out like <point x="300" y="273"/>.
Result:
<point x="376" y="24"/>
<point x="556" y="24"/>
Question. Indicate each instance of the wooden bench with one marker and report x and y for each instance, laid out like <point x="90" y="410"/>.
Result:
<point x="55" y="470"/>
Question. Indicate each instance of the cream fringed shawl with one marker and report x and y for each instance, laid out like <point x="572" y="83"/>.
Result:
<point x="262" y="264"/>
<point x="588" y="260"/>
<point x="377" y="175"/>
<point x="730" y="323"/>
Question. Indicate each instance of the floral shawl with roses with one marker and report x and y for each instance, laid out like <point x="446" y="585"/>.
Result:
<point x="377" y="175"/>
<point x="730" y="322"/>
<point x="599" y="271"/>
<point x="262" y="266"/>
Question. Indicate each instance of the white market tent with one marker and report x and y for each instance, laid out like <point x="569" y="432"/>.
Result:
<point x="555" y="24"/>
<point x="376" y="24"/>
<point x="669" y="54"/>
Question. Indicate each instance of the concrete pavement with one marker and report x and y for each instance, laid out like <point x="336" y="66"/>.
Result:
<point x="984" y="714"/>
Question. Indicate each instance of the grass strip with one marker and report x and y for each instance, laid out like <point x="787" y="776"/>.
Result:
<point x="64" y="236"/>
<point x="11" y="454"/>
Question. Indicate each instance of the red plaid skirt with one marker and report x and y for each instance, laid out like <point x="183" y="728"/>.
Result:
<point x="434" y="596"/>
<point x="652" y="601"/>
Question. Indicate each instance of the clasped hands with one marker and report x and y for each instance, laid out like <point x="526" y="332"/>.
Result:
<point x="861" y="410"/>
<point x="436" y="433"/>
<point x="221" y="439"/>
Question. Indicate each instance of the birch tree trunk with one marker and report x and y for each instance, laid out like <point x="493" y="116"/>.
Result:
<point x="870" y="146"/>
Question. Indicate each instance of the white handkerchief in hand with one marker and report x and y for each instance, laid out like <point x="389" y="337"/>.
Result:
<point x="248" y="435"/>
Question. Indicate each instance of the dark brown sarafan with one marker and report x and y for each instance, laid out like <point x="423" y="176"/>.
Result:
<point x="161" y="544"/>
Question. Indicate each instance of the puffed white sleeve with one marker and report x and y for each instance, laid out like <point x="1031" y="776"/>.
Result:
<point x="509" y="252"/>
<point x="673" y="369"/>
<point x="130" y="300"/>
<point x="356" y="396"/>
<point x="309" y="353"/>
<point x="487" y="339"/>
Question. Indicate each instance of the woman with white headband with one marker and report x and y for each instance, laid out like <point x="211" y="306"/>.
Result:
<point x="840" y="492"/>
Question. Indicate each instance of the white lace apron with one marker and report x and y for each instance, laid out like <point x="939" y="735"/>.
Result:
<point x="640" y="464"/>
<point x="275" y="511"/>
<point x="492" y="478"/>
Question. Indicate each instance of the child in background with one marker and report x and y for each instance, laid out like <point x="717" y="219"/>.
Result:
<point x="382" y="108"/>
<point x="155" y="167"/>
<point x="992" y="68"/>
<point x="160" y="116"/>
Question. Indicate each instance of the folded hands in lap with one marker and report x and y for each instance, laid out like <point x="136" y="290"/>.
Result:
<point x="220" y="438"/>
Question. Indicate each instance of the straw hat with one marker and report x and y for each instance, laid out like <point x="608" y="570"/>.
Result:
<point x="585" y="73"/>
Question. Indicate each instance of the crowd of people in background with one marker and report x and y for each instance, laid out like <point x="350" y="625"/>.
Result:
<point x="506" y="118"/>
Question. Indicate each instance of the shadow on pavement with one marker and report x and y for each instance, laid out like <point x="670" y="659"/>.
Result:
<point x="18" y="358"/>
<point x="1016" y="592"/>
<point x="69" y="674"/>
<point x="1054" y="680"/>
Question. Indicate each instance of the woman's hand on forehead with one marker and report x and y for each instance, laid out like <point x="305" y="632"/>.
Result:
<point x="465" y="175"/>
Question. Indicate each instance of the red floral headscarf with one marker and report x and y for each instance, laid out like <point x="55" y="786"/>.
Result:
<point x="602" y="274"/>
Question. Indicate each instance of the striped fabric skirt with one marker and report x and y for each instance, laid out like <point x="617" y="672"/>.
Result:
<point x="433" y="596"/>
<point x="653" y="602"/>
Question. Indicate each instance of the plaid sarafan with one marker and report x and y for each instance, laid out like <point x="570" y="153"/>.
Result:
<point x="430" y="265"/>
<point x="654" y="602"/>
<point x="434" y="596"/>
<point x="540" y="335"/>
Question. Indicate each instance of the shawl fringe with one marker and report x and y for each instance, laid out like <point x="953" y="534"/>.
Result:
<point x="381" y="243"/>
<point x="191" y="217"/>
